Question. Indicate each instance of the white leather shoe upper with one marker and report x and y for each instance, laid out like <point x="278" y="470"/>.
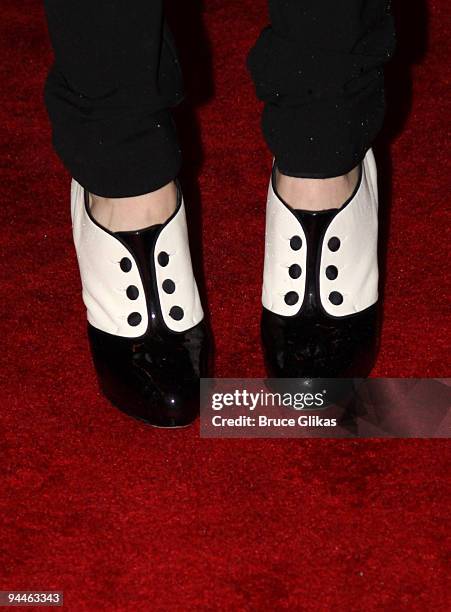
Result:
<point x="355" y="226"/>
<point x="282" y="231"/>
<point x="108" y="268"/>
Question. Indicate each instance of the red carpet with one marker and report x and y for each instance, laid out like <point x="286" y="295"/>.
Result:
<point x="124" y="517"/>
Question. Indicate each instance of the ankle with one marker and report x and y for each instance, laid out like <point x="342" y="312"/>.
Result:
<point x="316" y="194"/>
<point x="134" y="213"/>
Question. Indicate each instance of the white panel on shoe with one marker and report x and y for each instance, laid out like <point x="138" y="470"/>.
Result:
<point x="173" y="240"/>
<point x="104" y="282"/>
<point x="281" y="226"/>
<point x="356" y="226"/>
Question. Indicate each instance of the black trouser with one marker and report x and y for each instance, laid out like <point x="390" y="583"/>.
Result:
<point x="317" y="67"/>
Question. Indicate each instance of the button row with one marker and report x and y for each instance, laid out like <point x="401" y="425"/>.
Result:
<point x="168" y="286"/>
<point x="132" y="292"/>
<point x="335" y="297"/>
<point x="295" y="271"/>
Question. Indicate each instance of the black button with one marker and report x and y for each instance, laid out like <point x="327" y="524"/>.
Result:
<point x="132" y="292"/>
<point x="134" y="319"/>
<point x="176" y="313"/>
<point x="295" y="271"/>
<point x="126" y="264"/>
<point x="163" y="258"/>
<point x="168" y="286"/>
<point x="334" y="244"/>
<point x="291" y="298"/>
<point x="336" y="298"/>
<point x="296" y="243"/>
<point x="331" y="272"/>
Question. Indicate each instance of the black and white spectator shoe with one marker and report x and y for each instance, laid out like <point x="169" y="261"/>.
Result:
<point x="320" y="285"/>
<point x="146" y="325"/>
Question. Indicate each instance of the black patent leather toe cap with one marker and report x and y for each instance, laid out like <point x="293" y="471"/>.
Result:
<point x="319" y="346"/>
<point x="155" y="380"/>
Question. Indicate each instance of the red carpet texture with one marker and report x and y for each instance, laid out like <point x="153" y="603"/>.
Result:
<point x="124" y="517"/>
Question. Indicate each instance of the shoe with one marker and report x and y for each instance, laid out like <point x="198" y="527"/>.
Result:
<point x="320" y="285"/>
<point x="148" y="337"/>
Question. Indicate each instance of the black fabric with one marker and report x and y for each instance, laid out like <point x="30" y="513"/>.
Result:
<point x="318" y="68"/>
<point x="116" y="75"/>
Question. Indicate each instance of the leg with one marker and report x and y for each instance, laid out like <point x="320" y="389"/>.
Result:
<point x="318" y="69"/>
<point x="109" y="92"/>
<point x="108" y="95"/>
